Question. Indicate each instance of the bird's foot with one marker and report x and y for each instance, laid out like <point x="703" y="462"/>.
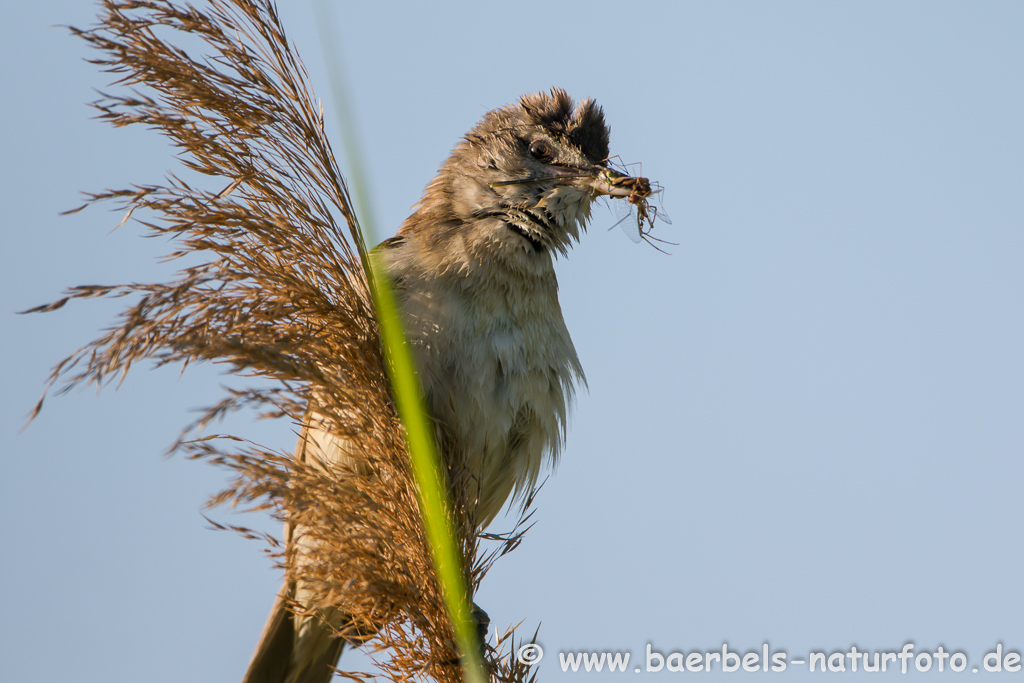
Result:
<point x="482" y="621"/>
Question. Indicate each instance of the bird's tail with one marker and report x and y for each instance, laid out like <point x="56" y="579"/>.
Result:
<point x="294" y="650"/>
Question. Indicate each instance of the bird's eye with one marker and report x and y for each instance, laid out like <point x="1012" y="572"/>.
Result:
<point x="542" y="150"/>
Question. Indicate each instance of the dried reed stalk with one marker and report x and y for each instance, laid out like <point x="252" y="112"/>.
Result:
<point x="280" y="293"/>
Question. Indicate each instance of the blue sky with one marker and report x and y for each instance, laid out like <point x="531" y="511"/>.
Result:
<point x="803" y="427"/>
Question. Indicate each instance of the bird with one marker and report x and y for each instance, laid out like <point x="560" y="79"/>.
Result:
<point x="473" y="271"/>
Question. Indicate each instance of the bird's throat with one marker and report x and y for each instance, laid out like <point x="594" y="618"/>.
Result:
<point x="527" y="235"/>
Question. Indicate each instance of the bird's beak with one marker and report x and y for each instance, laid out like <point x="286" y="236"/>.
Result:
<point x="614" y="184"/>
<point x="601" y="181"/>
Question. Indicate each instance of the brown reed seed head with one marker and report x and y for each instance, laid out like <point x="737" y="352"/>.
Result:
<point x="279" y="293"/>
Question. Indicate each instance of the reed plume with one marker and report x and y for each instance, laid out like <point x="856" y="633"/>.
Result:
<point x="277" y="289"/>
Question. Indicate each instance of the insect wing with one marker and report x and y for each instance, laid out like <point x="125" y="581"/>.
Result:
<point x="628" y="221"/>
<point x="657" y="212"/>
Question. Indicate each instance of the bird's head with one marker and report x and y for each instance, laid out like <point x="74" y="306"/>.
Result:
<point x="526" y="175"/>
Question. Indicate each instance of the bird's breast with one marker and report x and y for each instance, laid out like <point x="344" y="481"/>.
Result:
<point x="498" y="369"/>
